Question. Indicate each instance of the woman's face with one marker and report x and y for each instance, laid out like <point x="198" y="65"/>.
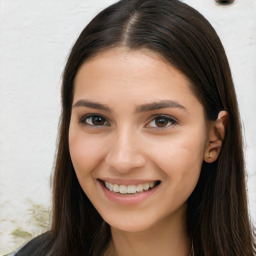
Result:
<point x="137" y="138"/>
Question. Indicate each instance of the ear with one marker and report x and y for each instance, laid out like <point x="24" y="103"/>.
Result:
<point x="216" y="136"/>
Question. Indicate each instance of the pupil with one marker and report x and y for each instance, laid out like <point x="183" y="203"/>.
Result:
<point x="98" y="120"/>
<point x="161" y="122"/>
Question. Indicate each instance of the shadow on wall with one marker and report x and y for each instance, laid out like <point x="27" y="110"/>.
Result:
<point x="224" y="2"/>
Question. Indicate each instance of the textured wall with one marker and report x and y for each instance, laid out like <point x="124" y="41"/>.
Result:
<point x="35" y="38"/>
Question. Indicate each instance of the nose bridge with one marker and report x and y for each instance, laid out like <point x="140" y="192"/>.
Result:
<point x="125" y="152"/>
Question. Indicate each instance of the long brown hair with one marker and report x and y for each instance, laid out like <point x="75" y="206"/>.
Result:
<point x="217" y="212"/>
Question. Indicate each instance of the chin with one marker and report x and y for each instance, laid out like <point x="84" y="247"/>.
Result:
<point x="137" y="221"/>
<point x="131" y="227"/>
<point x="133" y="221"/>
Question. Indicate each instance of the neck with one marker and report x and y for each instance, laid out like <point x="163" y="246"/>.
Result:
<point x="169" y="237"/>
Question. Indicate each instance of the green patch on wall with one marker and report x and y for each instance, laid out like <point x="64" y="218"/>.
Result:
<point x="19" y="233"/>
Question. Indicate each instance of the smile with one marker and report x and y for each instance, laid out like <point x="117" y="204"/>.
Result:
<point x="130" y="189"/>
<point x="129" y="192"/>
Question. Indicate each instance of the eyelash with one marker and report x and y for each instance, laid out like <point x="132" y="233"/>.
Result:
<point x="88" y="120"/>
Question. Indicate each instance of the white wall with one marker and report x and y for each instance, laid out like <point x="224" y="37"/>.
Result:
<point x="35" y="39"/>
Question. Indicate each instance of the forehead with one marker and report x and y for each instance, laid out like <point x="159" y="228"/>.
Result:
<point x="125" y="64"/>
<point x="141" y="75"/>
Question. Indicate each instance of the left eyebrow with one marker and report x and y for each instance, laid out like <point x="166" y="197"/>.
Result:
<point x="159" y="105"/>
<point x="91" y="104"/>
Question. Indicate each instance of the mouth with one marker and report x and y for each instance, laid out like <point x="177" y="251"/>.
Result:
<point x="131" y="189"/>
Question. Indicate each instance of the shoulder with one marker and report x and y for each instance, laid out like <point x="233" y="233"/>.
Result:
<point x="35" y="247"/>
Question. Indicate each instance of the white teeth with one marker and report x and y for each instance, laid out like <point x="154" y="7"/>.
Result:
<point x="123" y="189"/>
<point x="130" y="189"/>
<point x="110" y="186"/>
<point x="145" y="186"/>
<point x="116" y="188"/>
<point x="139" y="188"/>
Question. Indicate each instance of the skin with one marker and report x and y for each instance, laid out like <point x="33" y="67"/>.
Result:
<point x="129" y="143"/>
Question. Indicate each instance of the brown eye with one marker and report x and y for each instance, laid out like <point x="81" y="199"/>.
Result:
<point x="98" y="120"/>
<point x="162" y="122"/>
<point x="95" y="120"/>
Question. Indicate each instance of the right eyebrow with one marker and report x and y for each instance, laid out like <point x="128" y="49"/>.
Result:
<point x="160" y="105"/>
<point x="91" y="104"/>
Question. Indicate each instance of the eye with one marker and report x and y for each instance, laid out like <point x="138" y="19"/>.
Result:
<point x="162" y="122"/>
<point x="94" y="120"/>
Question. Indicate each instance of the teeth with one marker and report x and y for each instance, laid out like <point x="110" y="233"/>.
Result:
<point x="116" y="188"/>
<point x="139" y="188"/>
<point x="130" y="189"/>
<point x="145" y="186"/>
<point x="110" y="187"/>
<point x="151" y="184"/>
<point x="123" y="189"/>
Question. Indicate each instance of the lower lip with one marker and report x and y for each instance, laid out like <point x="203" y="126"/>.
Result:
<point x="128" y="199"/>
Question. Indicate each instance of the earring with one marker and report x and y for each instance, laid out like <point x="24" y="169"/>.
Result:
<point x="209" y="154"/>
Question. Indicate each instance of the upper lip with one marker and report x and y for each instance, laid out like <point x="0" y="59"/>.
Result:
<point x="127" y="182"/>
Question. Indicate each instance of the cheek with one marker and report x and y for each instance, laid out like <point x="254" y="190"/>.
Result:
<point x="180" y="157"/>
<point x="85" y="152"/>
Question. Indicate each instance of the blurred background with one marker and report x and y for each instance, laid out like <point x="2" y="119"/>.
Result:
<point x="35" y="39"/>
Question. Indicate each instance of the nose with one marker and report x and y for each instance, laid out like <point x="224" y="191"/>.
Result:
<point x="124" y="153"/>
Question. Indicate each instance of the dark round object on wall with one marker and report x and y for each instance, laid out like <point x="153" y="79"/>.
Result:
<point x="224" y="2"/>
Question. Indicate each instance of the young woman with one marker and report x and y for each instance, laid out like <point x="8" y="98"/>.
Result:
<point x="150" y="158"/>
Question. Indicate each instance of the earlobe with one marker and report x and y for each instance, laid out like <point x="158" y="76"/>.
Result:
<point x="216" y="136"/>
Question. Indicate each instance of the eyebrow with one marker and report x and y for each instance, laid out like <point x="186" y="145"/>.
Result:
<point x="91" y="104"/>
<point x="142" y="108"/>
<point x="159" y="105"/>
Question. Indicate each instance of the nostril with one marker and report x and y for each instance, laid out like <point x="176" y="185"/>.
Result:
<point x="224" y="2"/>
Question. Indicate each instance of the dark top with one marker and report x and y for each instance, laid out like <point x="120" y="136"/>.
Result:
<point x="34" y="247"/>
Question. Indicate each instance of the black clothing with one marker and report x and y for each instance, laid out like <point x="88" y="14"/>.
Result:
<point x="35" y="247"/>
